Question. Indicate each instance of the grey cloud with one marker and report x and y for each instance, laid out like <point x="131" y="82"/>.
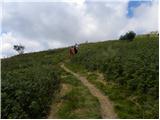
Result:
<point x="56" y="21"/>
<point x="50" y="21"/>
<point x="47" y="25"/>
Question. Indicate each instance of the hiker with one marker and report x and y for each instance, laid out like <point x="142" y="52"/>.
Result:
<point x="76" y="48"/>
<point x="73" y="50"/>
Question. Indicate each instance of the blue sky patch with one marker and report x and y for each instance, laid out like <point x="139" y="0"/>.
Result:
<point x="133" y="4"/>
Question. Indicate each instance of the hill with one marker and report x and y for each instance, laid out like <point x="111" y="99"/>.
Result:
<point x="33" y="83"/>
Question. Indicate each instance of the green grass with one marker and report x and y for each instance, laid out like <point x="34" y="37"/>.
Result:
<point x="30" y="82"/>
<point x="126" y="103"/>
<point x="131" y="72"/>
<point x="78" y="103"/>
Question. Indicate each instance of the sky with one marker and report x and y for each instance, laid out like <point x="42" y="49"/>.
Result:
<point x="47" y="25"/>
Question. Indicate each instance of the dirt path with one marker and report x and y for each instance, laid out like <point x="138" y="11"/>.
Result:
<point x="107" y="109"/>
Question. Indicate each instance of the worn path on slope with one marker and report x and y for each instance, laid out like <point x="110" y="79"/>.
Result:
<point x="107" y="110"/>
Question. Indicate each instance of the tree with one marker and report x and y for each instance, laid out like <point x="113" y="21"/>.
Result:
<point x="128" y="36"/>
<point x="19" y="48"/>
<point x="122" y="37"/>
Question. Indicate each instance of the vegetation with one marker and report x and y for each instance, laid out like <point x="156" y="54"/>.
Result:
<point x="19" y="48"/>
<point x="131" y="68"/>
<point x="75" y="100"/>
<point x="30" y="82"/>
<point x="128" y="36"/>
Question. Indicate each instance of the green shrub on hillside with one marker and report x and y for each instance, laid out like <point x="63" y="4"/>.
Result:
<point x="128" y="36"/>
<point x="28" y="93"/>
<point x="29" y="83"/>
<point x="132" y="65"/>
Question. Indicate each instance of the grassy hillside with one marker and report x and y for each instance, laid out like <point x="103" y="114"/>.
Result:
<point x="131" y="71"/>
<point x="30" y="82"/>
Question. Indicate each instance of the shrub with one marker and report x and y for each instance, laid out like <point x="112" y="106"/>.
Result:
<point x="128" y="36"/>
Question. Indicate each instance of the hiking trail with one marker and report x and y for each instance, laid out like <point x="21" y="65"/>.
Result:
<point x="107" y="110"/>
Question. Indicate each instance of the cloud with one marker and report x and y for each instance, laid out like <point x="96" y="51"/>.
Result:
<point x="145" y="18"/>
<point x="8" y="41"/>
<point x="48" y="25"/>
<point x="7" y="44"/>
